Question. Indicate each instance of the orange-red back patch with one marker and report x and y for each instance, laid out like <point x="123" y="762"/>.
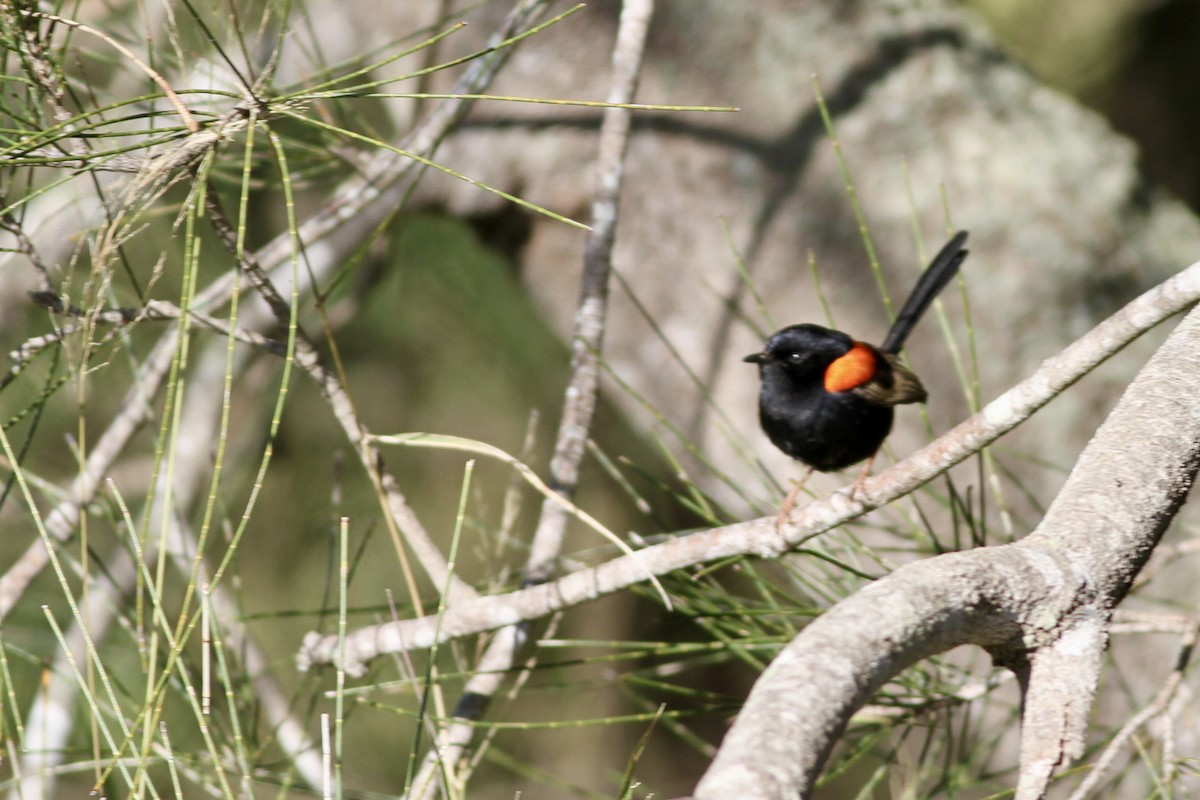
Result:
<point x="853" y="369"/>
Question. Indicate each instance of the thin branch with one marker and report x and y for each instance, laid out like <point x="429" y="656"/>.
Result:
<point x="401" y="515"/>
<point x="591" y="312"/>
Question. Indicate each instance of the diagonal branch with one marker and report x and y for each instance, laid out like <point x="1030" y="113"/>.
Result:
<point x="761" y="537"/>
<point x="401" y="517"/>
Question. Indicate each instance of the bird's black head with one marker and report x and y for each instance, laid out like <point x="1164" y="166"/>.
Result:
<point x="802" y="351"/>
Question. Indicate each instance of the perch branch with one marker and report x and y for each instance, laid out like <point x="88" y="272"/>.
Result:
<point x="761" y="537"/>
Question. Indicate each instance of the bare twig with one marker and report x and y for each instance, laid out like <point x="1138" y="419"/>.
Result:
<point x="591" y="311"/>
<point x="401" y="516"/>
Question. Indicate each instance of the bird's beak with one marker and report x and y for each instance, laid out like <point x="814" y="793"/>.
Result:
<point x="757" y="358"/>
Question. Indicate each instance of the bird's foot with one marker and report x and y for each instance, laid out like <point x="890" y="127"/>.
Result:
<point x="856" y="488"/>
<point x="789" y="502"/>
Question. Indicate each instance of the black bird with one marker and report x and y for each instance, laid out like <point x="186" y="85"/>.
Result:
<point x="826" y="399"/>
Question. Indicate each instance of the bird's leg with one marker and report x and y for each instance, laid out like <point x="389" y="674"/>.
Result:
<point x="789" y="502"/>
<point x="863" y="474"/>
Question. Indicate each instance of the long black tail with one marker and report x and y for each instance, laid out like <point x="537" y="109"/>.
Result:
<point x="939" y="272"/>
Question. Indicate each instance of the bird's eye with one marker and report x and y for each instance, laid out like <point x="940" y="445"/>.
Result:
<point x="795" y="358"/>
